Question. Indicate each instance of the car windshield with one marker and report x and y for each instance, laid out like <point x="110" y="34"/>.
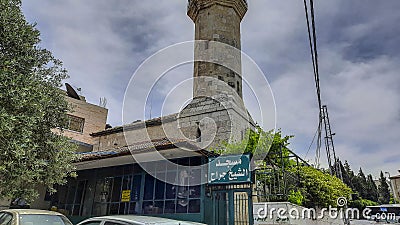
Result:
<point x="36" y="219"/>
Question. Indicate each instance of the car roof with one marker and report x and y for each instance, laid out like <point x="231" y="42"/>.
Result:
<point x="31" y="211"/>
<point x="144" y="219"/>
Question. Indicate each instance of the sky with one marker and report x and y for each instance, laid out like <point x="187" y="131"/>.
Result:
<point x="103" y="42"/>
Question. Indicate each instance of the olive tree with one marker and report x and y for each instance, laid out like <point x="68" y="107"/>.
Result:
<point x="32" y="107"/>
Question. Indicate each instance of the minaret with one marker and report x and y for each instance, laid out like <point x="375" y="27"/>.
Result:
<point x="216" y="113"/>
<point x="218" y="21"/>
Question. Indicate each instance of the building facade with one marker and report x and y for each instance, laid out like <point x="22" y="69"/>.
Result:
<point x="395" y="187"/>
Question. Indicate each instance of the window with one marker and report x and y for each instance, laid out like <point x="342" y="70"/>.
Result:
<point x="231" y="84"/>
<point x="114" y="223"/>
<point x="43" y="219"/>
<point x="5" y="218"/>
<point x="198" y="133"/>
<point x="108" y="195"/>
<point x="164" y="198"/>
<point x="71" y="196"/>
<point x="92" y="223"/>
<point x="75" y="123"/>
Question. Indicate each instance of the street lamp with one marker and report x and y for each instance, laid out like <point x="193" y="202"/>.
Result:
<point x="391" y="187"/>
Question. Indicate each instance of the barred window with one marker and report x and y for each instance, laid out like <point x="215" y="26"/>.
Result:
<point x="75" y="123"/>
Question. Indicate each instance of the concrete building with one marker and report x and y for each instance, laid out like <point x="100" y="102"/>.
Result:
<point x="83" y="120"/>
<point x="395" y="185"/>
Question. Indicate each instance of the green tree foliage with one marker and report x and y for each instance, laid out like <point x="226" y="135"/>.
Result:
<point x="348" y="175"/>
<point x="320" y="189"/>
<point x="372" y="189"/>
<point x="31" y="107"/>
<point x="257" y="142"/>
<point x="296" y="197"/>
<point x="383" y="190"/>
<point x="360" y="184"/>
<point x="361" y="204"/>
<point x="363" y="186"/>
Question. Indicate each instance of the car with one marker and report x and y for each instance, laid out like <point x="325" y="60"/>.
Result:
<point x="32" y="217"/>
<point x="134" y="220"/>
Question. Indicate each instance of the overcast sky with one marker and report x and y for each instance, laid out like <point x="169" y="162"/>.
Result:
<point x="102" y="43"/>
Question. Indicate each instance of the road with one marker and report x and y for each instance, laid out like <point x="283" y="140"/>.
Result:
<point x="365" y="222"/>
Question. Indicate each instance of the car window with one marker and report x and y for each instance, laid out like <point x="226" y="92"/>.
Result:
<point x="92" y="223"/>
<point x="114" y="223"/>
<point x="5" y="218"/>
<point x="42" y="219"/>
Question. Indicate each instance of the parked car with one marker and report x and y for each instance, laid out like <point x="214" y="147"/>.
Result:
<point x="133" y="220"/>
<point x="32" y="217"/>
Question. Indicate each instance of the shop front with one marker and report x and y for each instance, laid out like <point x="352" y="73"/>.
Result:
<point x="128" y="189"/>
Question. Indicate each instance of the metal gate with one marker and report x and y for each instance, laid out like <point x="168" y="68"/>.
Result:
<point x="232" y="207"/>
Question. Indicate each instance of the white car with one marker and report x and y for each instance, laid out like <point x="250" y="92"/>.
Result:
<point x="32" y="217"/>
<point x="133" y="220"/>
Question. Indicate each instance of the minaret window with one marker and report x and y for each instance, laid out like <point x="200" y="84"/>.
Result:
<point x="198" y="133"/>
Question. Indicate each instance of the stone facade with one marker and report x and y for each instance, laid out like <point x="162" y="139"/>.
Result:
<point x="217" y="21"/>
<point x="217" y="112"/>
<point x="395" y="185"/>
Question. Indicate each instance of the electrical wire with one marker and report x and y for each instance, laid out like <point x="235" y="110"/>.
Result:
<point x="312" y="37"/>
<point x="312" y="142"/>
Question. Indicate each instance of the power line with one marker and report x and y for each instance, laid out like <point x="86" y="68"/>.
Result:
<point x="312" y="37"/>
<point x="312" y="142"/>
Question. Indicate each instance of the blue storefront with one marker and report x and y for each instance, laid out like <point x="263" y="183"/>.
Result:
<point x="128" y="189"/>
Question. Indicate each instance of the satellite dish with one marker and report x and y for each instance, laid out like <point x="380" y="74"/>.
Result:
<point x="71" y="92"/>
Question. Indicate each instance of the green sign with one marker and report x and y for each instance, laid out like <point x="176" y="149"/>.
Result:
<point x="229" y="169"/>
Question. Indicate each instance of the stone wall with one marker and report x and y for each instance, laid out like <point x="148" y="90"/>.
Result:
<point x="217" y="21"/>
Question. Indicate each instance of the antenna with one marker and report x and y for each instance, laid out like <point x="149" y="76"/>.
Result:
<point x="103" y="102"/>
<point x="71" y="92"/>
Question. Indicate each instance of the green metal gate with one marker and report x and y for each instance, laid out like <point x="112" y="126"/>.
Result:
<point x="232" y="206"/>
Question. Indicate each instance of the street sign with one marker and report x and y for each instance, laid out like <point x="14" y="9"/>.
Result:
<point x="229" y="169"/>
<point x="126" y="195"/>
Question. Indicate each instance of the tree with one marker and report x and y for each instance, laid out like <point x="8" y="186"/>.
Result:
<point x="32" y="106"/>
<point x="372" y="190"/>
<point x="348" y="175"/>
<point x="360" y="184"/>
<point x="256" y="142"/>
<point x="320" y="189"/>
<point x="383" y="190"/>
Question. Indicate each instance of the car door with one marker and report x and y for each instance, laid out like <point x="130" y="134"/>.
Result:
<point x="5" y="218"/>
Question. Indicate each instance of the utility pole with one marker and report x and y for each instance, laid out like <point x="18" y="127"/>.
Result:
<point x="333" y="161"/>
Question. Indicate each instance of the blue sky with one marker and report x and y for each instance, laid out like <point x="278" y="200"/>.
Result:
<point x="103" y="42"/>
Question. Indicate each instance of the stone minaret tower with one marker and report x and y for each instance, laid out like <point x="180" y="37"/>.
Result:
<point x="218" y="21"/>
<point x="216" y="113"/>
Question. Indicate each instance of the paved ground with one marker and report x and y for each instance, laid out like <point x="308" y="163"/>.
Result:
<point x="364" y="222"/>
